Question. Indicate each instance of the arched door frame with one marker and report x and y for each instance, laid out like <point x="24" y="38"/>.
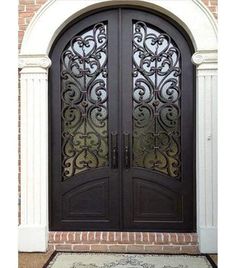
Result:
<point x="34" y="63"/>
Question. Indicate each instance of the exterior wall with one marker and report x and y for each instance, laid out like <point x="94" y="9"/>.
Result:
<point x="213" y="6"/>
<point x="34" y="76"/>
<point x="27" y="9"/>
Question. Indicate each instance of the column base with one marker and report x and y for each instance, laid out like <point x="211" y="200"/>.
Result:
<point x="208" y="239"/>
<point x="32" y="238"/>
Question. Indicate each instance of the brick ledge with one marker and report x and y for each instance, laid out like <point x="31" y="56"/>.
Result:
<point x="125" y="242"/>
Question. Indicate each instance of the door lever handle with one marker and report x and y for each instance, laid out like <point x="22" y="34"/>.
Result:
<point x="114" y="151"/>
<point x="126" y="150"/>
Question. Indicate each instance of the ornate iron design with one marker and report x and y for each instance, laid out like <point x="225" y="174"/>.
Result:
<point x="84" y="109"/>
<point x="156" y="100"/>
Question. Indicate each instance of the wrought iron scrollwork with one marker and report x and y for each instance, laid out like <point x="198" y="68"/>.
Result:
<point x="156" y="100"/>
<point x="84" y="109"/>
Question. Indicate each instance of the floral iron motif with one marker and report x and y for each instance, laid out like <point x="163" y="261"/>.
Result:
<point x="156" y="100"/>
<point x="84" y="109"/>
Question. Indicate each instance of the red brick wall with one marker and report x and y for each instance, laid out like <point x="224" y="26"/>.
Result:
<point x="144" y="242"/>
<point x="212" y="5"/>
<point x="27" y="8"/>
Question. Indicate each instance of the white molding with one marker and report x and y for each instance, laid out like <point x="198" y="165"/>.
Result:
<point x="61" y="12"/>
<point x="206" y="136"/>
<point x="206" y="62"/>
<point x="32" y="238"/>
<point x="208" y="240"/>
<point x="34" y="159"/>
<point x="33" y="61"/>
<point x="208" y="13"/>
<point x="205" y="57"/>
<point x="45" y="26"/>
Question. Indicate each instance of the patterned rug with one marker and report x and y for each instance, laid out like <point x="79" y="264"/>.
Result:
<point x="110" y="260"/>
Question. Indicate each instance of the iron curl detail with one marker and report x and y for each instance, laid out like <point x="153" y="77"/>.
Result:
<point x="84" y="96"/>
<point x="156" y="100"/>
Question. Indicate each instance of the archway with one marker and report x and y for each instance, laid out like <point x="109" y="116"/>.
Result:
<point x="34" y="62"/>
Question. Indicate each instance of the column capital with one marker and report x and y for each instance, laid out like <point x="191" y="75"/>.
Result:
<point x="205" y="59"/>
<point x="34" y="61"/>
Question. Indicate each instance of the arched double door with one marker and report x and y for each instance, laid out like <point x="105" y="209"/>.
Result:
<point x="122" y="124"/>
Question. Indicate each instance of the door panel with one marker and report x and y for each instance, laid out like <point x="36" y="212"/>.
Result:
<point x="79" y="203"/>
<point x="155" y="195"/>
<point x="158" y="186"/>
<point x="84" y="186"/>
<point x="122" y="125"/>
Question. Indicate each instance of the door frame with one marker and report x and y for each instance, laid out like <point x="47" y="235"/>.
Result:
<point x="121" y="202"/>
<point x="34" y="63"/>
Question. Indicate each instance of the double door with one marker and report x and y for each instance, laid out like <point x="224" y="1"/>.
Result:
<point x="121" y="103"/>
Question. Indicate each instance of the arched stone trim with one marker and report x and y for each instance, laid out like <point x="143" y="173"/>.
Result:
<point x="52" y="17"/>
<point x="192" y="15"/>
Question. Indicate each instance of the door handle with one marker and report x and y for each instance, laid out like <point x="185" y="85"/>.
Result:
<point x="126" y="150"/>
<point x="114" y="151"/>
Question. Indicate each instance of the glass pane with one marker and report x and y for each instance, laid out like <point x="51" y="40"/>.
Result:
<point x="84" y="114"/>
<point x="156" y="100"/>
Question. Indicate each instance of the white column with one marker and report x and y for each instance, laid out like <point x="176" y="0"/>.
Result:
<point x="33" y="230"/>
<point x="206" y="106"/>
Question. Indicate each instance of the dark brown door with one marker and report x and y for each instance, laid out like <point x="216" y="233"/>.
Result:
<point x="122" y="125"/>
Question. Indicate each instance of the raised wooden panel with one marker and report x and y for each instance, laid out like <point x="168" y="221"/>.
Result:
<point x="87" y="201"/>
<point x="155" y="202"/>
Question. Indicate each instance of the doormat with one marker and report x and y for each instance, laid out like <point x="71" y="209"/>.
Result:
<point x="110" y="260"/>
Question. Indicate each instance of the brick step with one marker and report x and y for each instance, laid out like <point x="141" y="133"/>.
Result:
<point x="138" y="242"/>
